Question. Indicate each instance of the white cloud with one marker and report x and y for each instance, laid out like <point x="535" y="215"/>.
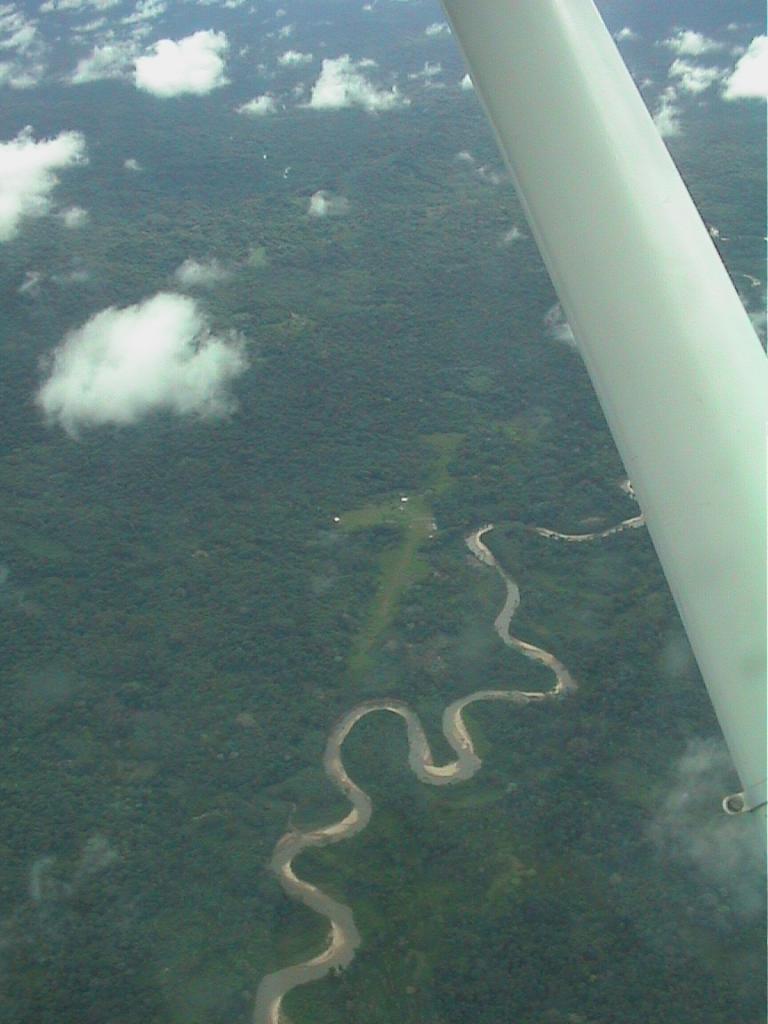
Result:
<point x="259" y="106"/>
<point x="92" y="26"/>
<point x="489" y="176"/>
<point x="285" y="31"/>
<point x="145" y="10"/>
<point x="759" y="319"/>
<point x="292" y="58"/>
<point x="466" y="83"/>
<point x="123" y="364"/>
<point x="513" y="235"/>
<point x="74" y="217"/>
<point x="112" y="60"/>
<point x="323" y="204"/>
<point x="693" y="77"/>
<point x="483" y="171"/>
<point x="558" y="328"/>
<point x="194" y="274"/>
<point x="71" y="277"/>
<point x="27" y="175"/>
<point x="749" y="79"/>
<point x="667" y="114"/>
<point x="28" y="77"/>
<point x="31" y="284"/>
<point x="17" y="33"/>
<point x="132" y="164"/>
<point x="437" y="28"/>
<point x="191" y="65"/>
<point x="342" y="85"/>
<point x="687" y="43"/>
<point x="76" y="5"/>
<point x="625" y="33"/>
<point x="18" y="76"/>
<point x="22" y="44"/>
<point x="429" y="70"/>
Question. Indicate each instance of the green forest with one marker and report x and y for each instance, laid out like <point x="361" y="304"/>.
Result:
<point x="189" y="605"/>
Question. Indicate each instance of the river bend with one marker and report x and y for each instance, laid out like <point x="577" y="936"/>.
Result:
<point x="344" y="937"/>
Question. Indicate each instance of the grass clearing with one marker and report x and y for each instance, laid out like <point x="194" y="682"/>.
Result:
<point x="401" y="565"/>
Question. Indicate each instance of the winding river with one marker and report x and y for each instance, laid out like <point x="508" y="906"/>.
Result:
<point x="344" y="937"/>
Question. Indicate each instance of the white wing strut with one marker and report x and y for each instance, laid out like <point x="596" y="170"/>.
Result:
<point x="672" y="355"/>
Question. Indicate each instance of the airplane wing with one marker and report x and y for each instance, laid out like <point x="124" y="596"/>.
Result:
<point x="673" y="357"/>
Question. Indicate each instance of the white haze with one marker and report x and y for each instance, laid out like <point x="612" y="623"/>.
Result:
<point x="691" y="827"/>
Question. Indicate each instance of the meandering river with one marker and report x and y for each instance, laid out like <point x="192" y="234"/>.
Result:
<point x="344" y="937"/>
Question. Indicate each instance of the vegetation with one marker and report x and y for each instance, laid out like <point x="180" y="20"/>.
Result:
<point x="184" y="619"/>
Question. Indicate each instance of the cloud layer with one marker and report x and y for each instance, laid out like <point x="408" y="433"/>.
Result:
<point x="192" y="65"/>
<point x="27" y="175"/>
<point x="125" y="363"/>
<point x="341" y="84"/>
